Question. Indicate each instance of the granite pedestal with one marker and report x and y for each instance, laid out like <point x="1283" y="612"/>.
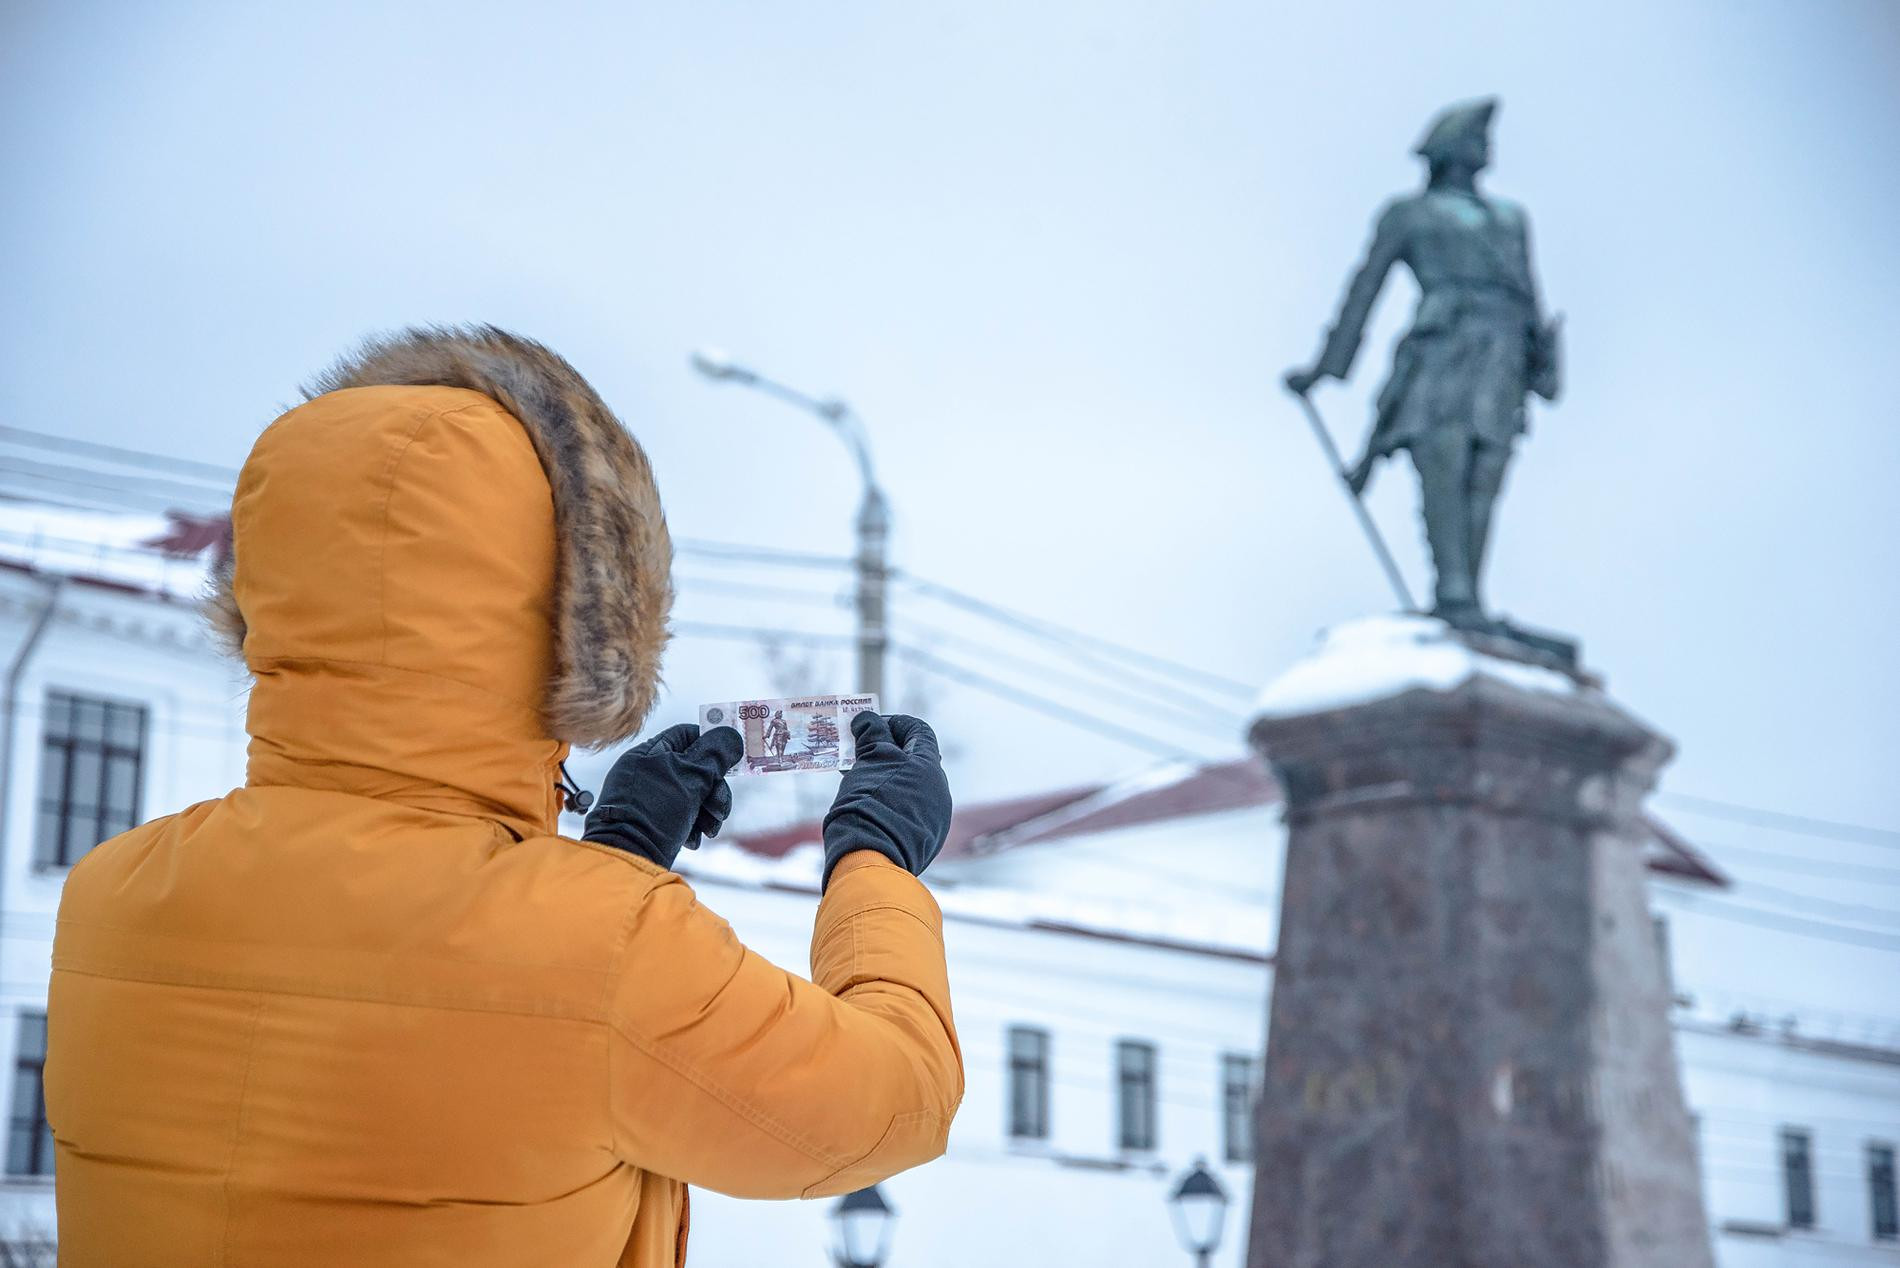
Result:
<point x="1470" y="1062"/>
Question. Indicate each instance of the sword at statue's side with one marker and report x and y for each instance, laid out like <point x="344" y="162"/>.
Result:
<point x="1352" y="494"/>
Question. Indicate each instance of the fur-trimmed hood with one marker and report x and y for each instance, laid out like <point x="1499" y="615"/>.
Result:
<point x="613" y="570"/>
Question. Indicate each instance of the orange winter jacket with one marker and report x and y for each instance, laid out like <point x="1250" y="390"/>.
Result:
<point x="369" y="1009"/>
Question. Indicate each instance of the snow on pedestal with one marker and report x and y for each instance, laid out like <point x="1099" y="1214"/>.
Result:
<point x="1373" y="657"/>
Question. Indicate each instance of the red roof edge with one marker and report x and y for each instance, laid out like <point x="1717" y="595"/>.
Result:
<point x="1242" y="783"/>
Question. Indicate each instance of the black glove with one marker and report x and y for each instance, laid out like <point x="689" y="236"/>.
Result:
<point x="895" y="800"/>
<point x="667" y="793"/>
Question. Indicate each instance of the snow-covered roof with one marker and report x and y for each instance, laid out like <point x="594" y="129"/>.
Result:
<point x="1165" y="793"/>
<point x="167" y="556"/>
<point x="1231" y="928"/>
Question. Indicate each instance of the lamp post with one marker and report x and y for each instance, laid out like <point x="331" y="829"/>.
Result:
<point x="1199" y="1207"/>
<point x="874" y="519"/>
<point x="861" y="1229"/>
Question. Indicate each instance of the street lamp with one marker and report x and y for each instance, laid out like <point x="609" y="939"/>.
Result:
<point x="874" y="519"/>
<point x="1199" y="1207"/>
<point x="861" y="1228"/>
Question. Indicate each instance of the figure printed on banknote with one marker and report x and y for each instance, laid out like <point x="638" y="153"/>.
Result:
<point x="802" y="733"/>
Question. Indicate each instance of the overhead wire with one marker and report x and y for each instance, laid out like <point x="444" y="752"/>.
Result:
<point x="141" y="486"/>
<point x="1722" y="909"/>
<point x="1195" y="719"/>
<point x="1067" y="636"/>
<point x="761" y="633"/>
<point x="1170" y="694"/>
<point x="733" y="552"/>
<point x="129" y="457"/>
<point x="1850" y="911"/>
<point x="1808" y="865"/>
<point x="756" y="590"/>
<point x="122" y="499"/>
<point x="1803" y="825"/>
<point x="951" y="671"/>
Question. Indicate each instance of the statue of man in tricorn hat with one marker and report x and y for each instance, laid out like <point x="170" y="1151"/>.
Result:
<point x="1478" y="344"/>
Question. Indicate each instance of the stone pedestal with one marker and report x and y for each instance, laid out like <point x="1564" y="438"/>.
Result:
<point x="1469" y="1062"/>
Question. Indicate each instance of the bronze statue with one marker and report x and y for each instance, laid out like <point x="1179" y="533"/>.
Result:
<point x="1478" y="344"/>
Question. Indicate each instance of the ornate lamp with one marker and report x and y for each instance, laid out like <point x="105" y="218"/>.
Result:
<point x="1199" y="1207"/>
<point x="861" y="1225"/>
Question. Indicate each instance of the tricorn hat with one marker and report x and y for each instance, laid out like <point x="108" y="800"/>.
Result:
<point x="1452" y="129"/>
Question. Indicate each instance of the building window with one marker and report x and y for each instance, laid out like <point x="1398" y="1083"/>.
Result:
<point x="1880" y="1192"/>
<point x="1028" y="1083"/>
<point x="1236" y="1098"/>
<point x="1135" y="1076"/>
<point x="1797" y="1176"/>
<point x="29" y="1139"/>
<point x="92" y="759"/>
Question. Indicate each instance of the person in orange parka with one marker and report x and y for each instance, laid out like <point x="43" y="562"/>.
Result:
<point x="370" y="1008"/>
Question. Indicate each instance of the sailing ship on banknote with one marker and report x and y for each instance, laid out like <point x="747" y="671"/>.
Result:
<point x="798" y="733"/>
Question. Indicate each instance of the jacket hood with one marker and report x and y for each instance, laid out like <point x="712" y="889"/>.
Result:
<point x="446" y="566"/>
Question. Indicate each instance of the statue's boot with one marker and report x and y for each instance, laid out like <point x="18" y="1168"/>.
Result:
<point x="1464" y="614"/>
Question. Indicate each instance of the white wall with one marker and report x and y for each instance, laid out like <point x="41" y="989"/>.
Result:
<point x="1743" y="1088"/>
<point x="109" y="643"/>
<point x="1076" y="1198"/>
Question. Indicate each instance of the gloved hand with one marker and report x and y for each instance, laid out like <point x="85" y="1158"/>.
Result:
<point x="667" y="793"/>
<point x="895" y="800"/>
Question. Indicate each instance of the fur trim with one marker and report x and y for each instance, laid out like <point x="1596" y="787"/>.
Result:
<point x="614" y="582"/>
<point x="218" y="604"/>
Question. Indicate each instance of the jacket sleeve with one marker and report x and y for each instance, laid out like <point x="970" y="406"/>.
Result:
<point x="1342" y="339"/>
<point x="727" y="1072"/>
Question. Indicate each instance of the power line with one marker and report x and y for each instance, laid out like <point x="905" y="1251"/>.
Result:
<point x="1751" y="1117"/>
<point x="760" y="634"/>
<point x="965" y="676"/>
<point x="1852" y="911"/>
<point x="130" y="457"/>
<point x="1207" y="714"/>
<point x="729" y="552"/>
<point x="1063" y="635"/>
<point x="1808" y="865"/>
<point x="1824" y="930"/>
<point x="953" y="672"/>
<point x="143" y="486"/>
<point x="121" y="500"/>
<point x="61" y="501"/>
<point x="755" y="590"/>
<point x="1144" y="695"/>
<point x="1808" y="825"/>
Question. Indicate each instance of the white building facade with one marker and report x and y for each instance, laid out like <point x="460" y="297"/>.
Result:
<point x="1109" y="953"/>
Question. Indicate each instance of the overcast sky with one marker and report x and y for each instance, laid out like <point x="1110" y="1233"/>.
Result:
<point x="1057" y="255"/>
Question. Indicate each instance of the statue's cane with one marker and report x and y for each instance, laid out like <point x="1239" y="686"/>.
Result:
<point x="1358" y="507"/>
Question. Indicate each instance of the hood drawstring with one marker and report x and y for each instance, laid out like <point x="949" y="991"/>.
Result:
<point x="574" y="798"/>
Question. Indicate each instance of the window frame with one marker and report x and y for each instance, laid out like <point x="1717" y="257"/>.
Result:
<point x="1239" y="1147"/>
<point x="60" y="814"/>
<point x="1146" y="1081"/>
<point x="1026" y="1071"/>
<point x="1883" y="1200"/>
<point x="38" y="1143"/>
<point x="1799" y="1208"/>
